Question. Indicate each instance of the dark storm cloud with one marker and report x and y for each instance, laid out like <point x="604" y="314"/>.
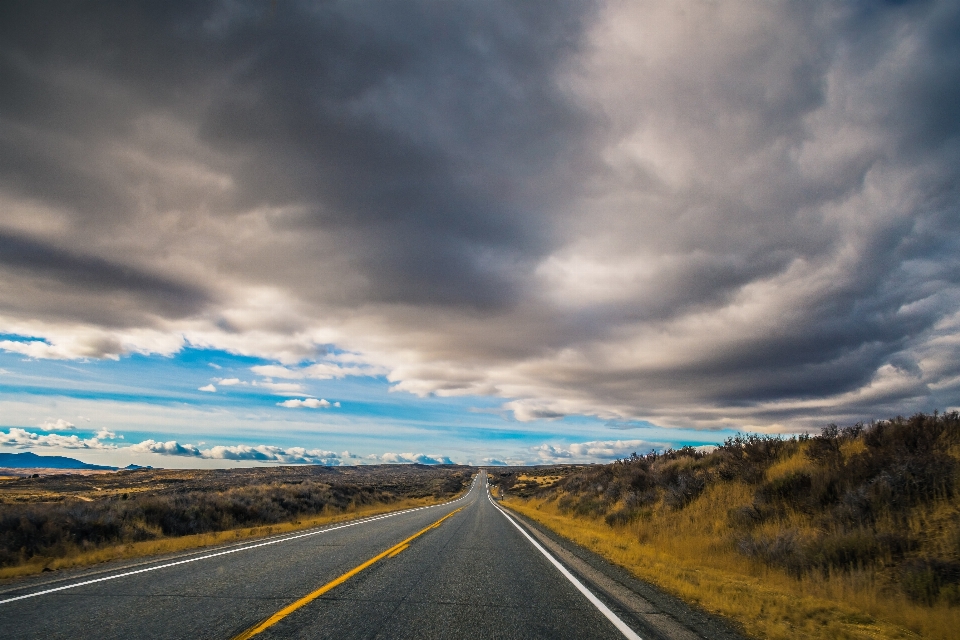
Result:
<point x="690" y="212"/>
<point x="418" y="123"/>
<point x="66" y="274"/>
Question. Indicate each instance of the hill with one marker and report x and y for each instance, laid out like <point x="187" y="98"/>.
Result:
<point x="30" y="460"/>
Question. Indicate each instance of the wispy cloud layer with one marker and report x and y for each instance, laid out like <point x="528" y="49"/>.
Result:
<point x="698" y="214"/>
<point x="308" y="403"/>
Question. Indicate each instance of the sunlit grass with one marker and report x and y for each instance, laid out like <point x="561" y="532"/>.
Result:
<point x="851" y="534"/>
<point x="540" y="480"/>
<point x="682" y="552"/>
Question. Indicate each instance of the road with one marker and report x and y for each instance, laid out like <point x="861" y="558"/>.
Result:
<point x="464" y="569"/>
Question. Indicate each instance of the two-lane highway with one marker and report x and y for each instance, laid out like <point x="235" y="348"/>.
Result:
<point x="459" y="570"/>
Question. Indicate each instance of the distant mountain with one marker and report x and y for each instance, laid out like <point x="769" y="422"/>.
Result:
<point x="30" y="460"/>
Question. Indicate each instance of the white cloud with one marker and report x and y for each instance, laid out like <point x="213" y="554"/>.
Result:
<point x="408" y="458"/>
<point x="169" y="448"/>
<point x="57" y="425"/>
<point x="22" y="439"/>
<point x="44" y="350"/>
<point x="318" y="371"/>
<point x="210" y="388"/>
<point x="262" y="453"/>
<point x="281" y="388"/>
<point x="309" y="403"/>
<point x="595" y="451"/>
<point x="289" y="455"/>
<point x="229" y="382"/>
<point x="528" y="411"/>
<point x="72" y="341"/>
<point x="106" y="434"/>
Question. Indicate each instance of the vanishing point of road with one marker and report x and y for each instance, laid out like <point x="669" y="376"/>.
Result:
<point x="464" y="569"/>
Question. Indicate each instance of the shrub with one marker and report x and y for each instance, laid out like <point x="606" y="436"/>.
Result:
<point x="845" y="499"/>
<point x="923" y="581"/>
<point x="55" y="529"/>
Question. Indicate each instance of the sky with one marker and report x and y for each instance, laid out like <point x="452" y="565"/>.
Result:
<point x="248" y="232"/>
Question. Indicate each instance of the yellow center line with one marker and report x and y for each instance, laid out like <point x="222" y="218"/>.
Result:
<point x="290" y="608"/>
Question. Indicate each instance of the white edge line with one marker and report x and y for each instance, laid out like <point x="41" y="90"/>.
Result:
<point x="610" y="615"/>
<point x="228" y="551"/>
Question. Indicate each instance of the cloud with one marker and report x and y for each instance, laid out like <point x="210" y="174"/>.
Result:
<point x="319" y="371"/>
<point x="209" y="387"/>
<point x="64" y="350"/>
<point x="595" y="451"/>
<point x="169" y="448"/>
<point x="261" y="453"/>
<point x="57" y="425"/>
<point x="68" y="273"/>
<point x="408" y="458"/>
<point x="295" y="455"/>
<point x="22" y="439"/>
<point x="308" y="403"/>
<point x="290" y="455"/>
<point x="229" y="382"/>
<point x="528" y="411"/>
<point x="697" y="214"/>
<point x="281" y="388"/>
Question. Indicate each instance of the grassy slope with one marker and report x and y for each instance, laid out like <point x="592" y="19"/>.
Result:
<point x="854" y="534"/>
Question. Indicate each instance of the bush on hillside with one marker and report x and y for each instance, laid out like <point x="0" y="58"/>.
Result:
<point x="856" y="489"/>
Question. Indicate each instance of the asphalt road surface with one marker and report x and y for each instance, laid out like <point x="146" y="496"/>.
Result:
<point x="464" y="569"/>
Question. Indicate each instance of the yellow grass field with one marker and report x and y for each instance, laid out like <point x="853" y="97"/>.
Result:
<point x="543" y="481"/>
<point x="688" y="554"/>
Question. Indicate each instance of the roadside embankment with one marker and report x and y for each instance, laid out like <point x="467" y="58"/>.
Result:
<point x="851" y="534"/>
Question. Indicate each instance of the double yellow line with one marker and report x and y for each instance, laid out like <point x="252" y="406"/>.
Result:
<point x="290" y="608"/>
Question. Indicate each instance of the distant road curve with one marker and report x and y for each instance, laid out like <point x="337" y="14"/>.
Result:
<point x="464" y="569"/>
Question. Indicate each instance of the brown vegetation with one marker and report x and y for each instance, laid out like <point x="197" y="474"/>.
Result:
<point x="853" y="533"/>
<point x="45" y="521"/>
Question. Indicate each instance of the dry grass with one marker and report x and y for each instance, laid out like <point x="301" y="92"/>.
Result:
<point x="185" y="543"/>
<point x="681" y="552"/>
<point x="69" y="520"/>
<point x="540" y="480"/>
<point x="851" y="534"/>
